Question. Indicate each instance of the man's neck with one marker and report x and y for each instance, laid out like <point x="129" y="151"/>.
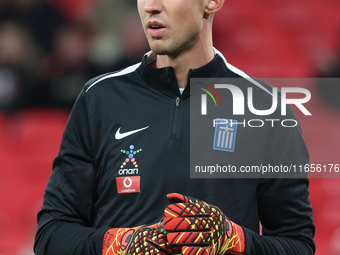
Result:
<point x="194" y="58"/>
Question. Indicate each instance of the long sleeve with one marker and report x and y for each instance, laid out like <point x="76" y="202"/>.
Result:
<point x="283" y="205"/>
<point x="64" y="219"/>
<point x="286" y="217"/>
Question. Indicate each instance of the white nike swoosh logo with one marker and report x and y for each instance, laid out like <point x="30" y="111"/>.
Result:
<point x="120" y="135"/>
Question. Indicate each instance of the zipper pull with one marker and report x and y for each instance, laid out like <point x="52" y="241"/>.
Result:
<point x="177" y="102"/>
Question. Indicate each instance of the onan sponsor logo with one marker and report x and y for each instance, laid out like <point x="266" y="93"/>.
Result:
<point x="128" y="171"/>
<point x="130" y="160"/>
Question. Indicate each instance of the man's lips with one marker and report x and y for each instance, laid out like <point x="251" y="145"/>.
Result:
<point x="156" y="32"/>
<point x="155" y="28"/>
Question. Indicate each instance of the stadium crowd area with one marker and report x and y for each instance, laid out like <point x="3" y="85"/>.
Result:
<point x="50" y="48"/>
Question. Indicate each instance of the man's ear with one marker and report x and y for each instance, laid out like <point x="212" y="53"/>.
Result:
<point x="213" y="6"/>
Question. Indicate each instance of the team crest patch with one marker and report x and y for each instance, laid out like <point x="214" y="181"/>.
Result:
<point x="225" y="135"/>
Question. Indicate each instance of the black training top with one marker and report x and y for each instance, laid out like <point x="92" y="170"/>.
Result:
<point x="126" y="145"/>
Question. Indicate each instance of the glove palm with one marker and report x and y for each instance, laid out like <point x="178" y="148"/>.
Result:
<point x="197" y="227"/>
<point x="133" y="241"/>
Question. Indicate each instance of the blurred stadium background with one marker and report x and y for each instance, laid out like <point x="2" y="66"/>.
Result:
<point x="50" y="48"/>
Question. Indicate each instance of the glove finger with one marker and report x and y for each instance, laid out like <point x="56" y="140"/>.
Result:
<point x="189" y="238"/>
<point x="156" y="248"/>
<point x="158" y="238"/>
<point x="179" y="198"/>
<point x="186" y="223"/>
<point x="196" y="250"/>
<point x="184" y="209"/>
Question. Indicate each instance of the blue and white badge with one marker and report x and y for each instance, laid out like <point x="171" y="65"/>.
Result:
<point x="225" y="135"/>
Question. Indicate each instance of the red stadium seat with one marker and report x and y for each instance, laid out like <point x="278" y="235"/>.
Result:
<point x="30" y="141"/>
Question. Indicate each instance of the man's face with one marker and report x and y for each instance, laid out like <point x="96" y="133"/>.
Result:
<point x="171" y="27"/>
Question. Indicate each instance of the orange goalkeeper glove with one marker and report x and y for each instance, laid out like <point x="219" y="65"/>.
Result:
<point x="133" y="241"/>
<point x="196" y="227"/>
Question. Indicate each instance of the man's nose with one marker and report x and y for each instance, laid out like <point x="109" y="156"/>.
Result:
<point x="153" y="6"/>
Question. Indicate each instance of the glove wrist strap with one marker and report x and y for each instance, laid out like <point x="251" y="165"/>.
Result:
<point x="236" y="243"/>
<point x="116" y="240"/>
<point x="110" y="243"/>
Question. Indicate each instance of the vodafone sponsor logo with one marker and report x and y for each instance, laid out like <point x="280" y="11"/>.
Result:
<point x="127" y="180"/>
<point x="128" y="184"/>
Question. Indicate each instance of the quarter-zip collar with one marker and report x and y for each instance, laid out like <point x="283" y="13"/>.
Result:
<point x="164" y="78"/>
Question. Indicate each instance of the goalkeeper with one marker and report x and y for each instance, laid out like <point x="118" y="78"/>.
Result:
<point x="126" y="147"/>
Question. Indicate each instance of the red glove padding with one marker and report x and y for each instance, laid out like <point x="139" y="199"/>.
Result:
<point x="133" y="241"/>
<point x="196" y="227"/>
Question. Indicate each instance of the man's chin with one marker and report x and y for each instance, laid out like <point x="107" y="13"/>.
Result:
<point x="159" y="47"/>
<point x="159" y="51"/>
<point x="167" y="49"/>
